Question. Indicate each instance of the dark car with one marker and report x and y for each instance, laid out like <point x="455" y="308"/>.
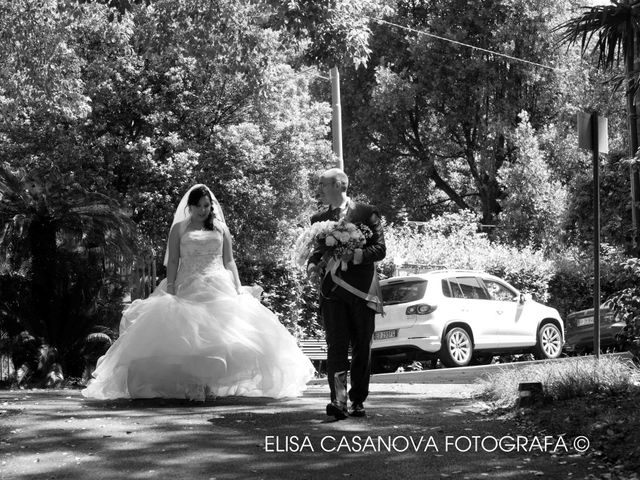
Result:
<point x="579" y="331"/>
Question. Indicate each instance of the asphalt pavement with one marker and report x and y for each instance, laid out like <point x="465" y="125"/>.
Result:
<point x="412" y="430"/>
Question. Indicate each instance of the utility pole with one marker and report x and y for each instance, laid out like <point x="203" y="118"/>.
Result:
<point x="336" y="119"/>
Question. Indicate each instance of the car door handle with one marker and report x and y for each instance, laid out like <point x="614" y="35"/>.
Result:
<point x="499" y="312"/>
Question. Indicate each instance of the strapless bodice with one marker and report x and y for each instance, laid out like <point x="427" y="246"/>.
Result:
<point x="200" y="251"/>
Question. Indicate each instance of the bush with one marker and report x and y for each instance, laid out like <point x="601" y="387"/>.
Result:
<point x="16" y="314"/>
<point x="84" y="300"/>
<point x="287" y="293"/>
<point x="571" y="287"/>
<point x="563" y="380"/>
<point x="626" y="304"/>
<point x="454" y="241"/>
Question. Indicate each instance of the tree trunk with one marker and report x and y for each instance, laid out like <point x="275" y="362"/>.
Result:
<point x="42" y="237"/>
<point x="633" y="148"/>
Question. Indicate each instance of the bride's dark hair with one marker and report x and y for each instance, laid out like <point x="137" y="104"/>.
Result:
<point x="193" y="200"/>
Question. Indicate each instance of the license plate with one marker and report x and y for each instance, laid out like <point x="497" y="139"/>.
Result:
<point x="383" y="334"/>
<point x="584" y="321"/>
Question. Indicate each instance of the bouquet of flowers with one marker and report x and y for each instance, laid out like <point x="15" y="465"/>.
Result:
<point x="338" y="240"/>
<point x="309" y="240"/>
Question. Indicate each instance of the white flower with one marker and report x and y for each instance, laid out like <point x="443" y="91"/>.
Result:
<point x="343" y="237"/>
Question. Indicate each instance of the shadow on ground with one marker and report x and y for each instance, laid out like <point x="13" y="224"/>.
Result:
<point x="410" y="431"/>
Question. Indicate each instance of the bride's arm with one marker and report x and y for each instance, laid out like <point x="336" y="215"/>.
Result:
<point x="227" y="257"/>
<point x="174" y="258"/>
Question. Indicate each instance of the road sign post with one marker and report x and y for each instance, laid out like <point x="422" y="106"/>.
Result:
<point x="593" y="135"/>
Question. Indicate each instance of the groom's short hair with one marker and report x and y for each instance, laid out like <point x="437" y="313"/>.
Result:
<point x="337" y="175"/>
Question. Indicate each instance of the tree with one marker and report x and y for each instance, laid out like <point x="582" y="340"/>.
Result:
<point x="440" y="113"/>
<point x="616" y="29"/>
<point x="164" y="96"/>
<point x="64" y="233"/>
<point x="222" y="106"/>
<point x="534" y="203"/>
<point x="616" y="227"/>
<point x="335" y="32"/>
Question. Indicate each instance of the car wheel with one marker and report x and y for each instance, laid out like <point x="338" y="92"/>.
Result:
<point x="457" y="349"/>
<point x="549" y="342"/>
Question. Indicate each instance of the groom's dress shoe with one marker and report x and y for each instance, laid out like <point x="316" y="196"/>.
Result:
<point x="335" y="409"/>
<point x="357" y="410"/>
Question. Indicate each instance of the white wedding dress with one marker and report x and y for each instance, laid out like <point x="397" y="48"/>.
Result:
<point x="205" y="341"/>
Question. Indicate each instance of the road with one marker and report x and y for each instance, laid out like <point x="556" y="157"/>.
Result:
<point x="420" y="425"/>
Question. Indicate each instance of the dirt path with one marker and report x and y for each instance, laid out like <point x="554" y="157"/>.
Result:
<point x="412" y="431"/>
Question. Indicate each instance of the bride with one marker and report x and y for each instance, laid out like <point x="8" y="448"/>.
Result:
<point x="199" y="334"/>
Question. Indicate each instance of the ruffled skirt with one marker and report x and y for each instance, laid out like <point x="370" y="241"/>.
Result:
<point x="204" y="341"/>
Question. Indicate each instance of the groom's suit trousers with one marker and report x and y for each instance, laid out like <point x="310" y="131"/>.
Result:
<point x="348" y="321"/>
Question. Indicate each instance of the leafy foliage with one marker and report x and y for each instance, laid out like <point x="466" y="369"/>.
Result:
<point x="288" y="293"/>
<point x="615" y="205"/>
<point x="432" y="118"/>
<point x="572" y="286"/>
<point x="533" y="203"/>
<point x="614" y="27"/>
<point x="63" y="233"/>
<point x="454" y="241"/>
<point x="626" y="303"/>
<point x="616" y="30"/>
<point x="111" y="109"/>
<point x="105" y="105"/>
<point x="333" y="33"/>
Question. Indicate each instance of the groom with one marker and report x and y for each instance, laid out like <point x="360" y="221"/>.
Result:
<point x="349" y="299"/>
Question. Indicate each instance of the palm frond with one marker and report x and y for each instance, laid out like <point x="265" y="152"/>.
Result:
<point x="613" y="27"/>
<point x="13" y="194"/>
<point x="83" y="219"/>
<point x="104" y="225"/>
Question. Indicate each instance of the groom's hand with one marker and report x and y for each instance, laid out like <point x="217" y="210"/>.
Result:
<point x="347" y="257"/>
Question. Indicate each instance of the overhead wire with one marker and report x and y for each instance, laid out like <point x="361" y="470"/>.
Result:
<point x="467" y="45"/>
<point x="445" y="39"/>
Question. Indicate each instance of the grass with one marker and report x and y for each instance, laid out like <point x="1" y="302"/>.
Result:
<point x="584" y="396"/>
<point x="578" y="377"/>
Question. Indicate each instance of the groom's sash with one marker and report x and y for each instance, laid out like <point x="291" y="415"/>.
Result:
<point x="373" y="297"/>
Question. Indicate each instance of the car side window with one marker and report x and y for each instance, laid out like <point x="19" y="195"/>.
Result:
<point x="500" y="292"/>
<point x="451" y="289"/>
<point x="446" y="289"/>
<point x="471" y="288"/>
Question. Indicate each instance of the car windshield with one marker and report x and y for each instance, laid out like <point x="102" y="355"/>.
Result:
<point x="403" y="291"/>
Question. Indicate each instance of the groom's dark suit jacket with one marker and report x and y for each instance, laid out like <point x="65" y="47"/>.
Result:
<point x="358" y="276"/>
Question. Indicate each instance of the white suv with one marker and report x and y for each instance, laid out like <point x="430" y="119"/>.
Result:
<point x="462" y="317"/>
